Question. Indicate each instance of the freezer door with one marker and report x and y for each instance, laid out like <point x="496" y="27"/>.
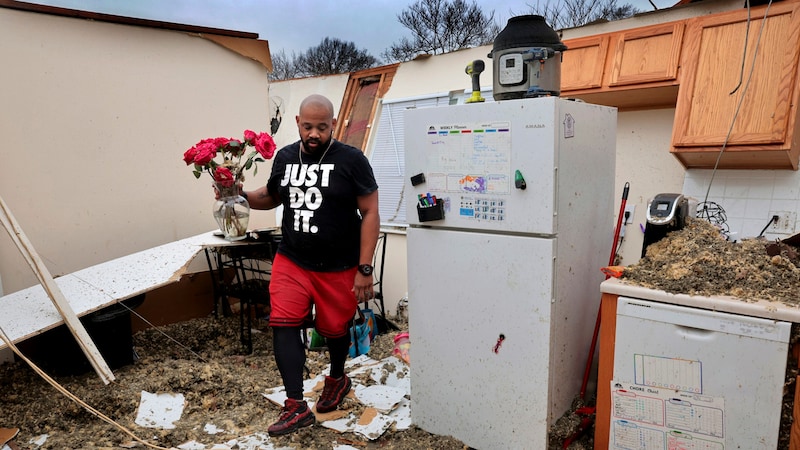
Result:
<point x="691" y="376"/>
<point x="502" y="165"/>
<point x="465" y="154"/>
<point x="479" y="320"/>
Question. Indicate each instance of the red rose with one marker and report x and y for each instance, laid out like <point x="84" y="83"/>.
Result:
<point x="189" y="156"/>
<point x="264" y="144"/>
<point x="223" y="176"/>
<point x="220" y="142"/>
<point x="205" y="153"/>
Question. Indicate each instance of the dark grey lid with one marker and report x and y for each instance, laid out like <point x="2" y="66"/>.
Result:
<point x="527" y="31"/>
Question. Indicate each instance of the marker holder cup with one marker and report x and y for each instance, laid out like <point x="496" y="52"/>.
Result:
<point x="431" y="213"/>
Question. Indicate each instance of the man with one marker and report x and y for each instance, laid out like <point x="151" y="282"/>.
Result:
<point x="330" y="228"/>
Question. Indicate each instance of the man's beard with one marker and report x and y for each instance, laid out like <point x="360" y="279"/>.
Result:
<point x="321" y="146"/>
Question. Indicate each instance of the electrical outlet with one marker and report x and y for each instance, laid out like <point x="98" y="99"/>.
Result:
<point x="784" y="224"/>
<point x="630" y="209"/>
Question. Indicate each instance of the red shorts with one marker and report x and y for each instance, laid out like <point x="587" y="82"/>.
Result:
<point x="292" y="290"/>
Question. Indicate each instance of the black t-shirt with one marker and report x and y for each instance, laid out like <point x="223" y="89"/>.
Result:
<point x="321" y="226"/>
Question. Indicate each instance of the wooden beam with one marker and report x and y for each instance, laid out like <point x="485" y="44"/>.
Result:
<point x="54" y="292"/>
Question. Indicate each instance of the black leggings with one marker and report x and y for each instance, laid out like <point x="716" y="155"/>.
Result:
<point x="290" y="355"/>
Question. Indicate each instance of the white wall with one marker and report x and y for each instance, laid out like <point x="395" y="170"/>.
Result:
<point x="439" y="73"/>
<point x="749" y="199"/>
<point x="644" y="161"/>
<point x="95" y="119"/>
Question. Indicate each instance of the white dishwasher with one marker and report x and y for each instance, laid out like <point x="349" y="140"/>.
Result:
<point x="688" y="378"/>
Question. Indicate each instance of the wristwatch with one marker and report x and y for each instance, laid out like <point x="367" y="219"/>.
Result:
<point x="365" y="269"/>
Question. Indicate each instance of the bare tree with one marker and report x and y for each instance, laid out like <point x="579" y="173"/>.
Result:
<point x="333" y="56"/>
<point x="283" y="67"/>
<point x="574" y="13"/>
<point x="442" y="26"/>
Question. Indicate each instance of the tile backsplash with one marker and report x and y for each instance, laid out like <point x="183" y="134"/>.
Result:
<point x="749" y="199"/>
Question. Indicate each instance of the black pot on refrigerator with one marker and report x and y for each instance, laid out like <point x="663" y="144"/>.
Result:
<point x="665" y="213"/>
<point x="527" y="59"/>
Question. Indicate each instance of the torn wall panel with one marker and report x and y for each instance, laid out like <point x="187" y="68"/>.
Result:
<point x="30" y="312"/>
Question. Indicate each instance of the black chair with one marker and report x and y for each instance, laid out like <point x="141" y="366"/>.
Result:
<point x="378" y="262"/>
<point x="252" y="290"/>
<point x="243" y="272"/>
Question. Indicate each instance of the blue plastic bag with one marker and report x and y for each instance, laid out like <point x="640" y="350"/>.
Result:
<point x="360" y="334"/>
<point x="369" y="317"/>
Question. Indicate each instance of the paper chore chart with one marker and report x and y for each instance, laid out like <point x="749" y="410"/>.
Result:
<point x="662" y="418"/>
<point x="674" y="373"/>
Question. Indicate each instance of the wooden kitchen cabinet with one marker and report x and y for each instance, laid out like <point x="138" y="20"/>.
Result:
<point x="646" y="55"/>
<point x="742" y="97"/>
<point x="630" y="68"/>
<point x="583" y="63"/>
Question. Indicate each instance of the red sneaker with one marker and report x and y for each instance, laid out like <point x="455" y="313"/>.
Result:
<point x="295" y="415"/>
<point x="333" y="393"/>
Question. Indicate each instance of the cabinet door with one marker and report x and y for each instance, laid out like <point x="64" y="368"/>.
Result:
<point x="739" y="81"/>
<point x="628" y="69"/>
<point x="583" y="62"/>
<point x="646" y="55"/>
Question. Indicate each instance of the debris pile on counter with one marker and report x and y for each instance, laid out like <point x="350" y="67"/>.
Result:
<point x="698" y="260"/>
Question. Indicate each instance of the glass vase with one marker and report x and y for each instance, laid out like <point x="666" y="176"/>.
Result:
<point x="232" y="213"/>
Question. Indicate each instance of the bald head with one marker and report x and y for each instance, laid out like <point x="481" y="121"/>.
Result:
<point x="317" y="101"/>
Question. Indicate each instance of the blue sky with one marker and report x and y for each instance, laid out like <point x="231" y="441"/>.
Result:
<point x="297" y="25"/>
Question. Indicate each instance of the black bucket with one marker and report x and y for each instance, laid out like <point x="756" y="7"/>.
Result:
<point x="57" y="352"/>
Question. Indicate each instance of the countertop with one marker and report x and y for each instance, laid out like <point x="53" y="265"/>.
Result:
<point x="754" y="308"/>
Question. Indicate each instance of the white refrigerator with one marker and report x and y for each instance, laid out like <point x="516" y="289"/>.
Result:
<point x="510" y="209"/>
